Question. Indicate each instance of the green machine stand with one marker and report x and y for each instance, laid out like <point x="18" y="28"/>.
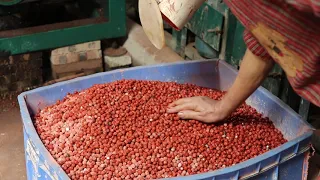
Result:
<point x="110" y="22"/>
<point x="9" y="2"/>
<point x="218" y="32"/>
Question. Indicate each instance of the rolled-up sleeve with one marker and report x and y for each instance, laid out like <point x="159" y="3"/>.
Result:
<point x="254" y="46"/>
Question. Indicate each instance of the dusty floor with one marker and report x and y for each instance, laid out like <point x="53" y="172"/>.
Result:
<point x="12" y="162"/>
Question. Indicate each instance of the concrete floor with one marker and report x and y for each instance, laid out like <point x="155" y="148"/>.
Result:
<point x="12" y="163"/>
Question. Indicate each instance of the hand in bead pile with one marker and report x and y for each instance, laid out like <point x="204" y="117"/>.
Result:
<point x="199" y="108"/>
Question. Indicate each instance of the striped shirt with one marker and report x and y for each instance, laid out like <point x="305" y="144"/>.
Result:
<point x="288" y="32"/>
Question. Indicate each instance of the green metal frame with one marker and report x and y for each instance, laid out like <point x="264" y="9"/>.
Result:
<point x="114" y="27"/>
<point x="207" y="23"/>
<point x="9" y="2"/>
<point x="180" y="40"/>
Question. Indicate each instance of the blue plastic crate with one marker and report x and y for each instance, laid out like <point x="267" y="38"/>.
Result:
<point x="289" y="161"/>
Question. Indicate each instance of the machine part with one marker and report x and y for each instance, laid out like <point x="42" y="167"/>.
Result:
<point x="9" y="2"/>
<point x="205" y="50"/>
<point x="233" y="44"/>
<point x="180" y="40"/>
<point x="207" y="24"/>
<point x="191" y="52"/>
<point x="112" y="25"/>
<point x="218" y="5"/>
<point x="288" y="161"/>
<point x="152" y="23"/>
<point x="50" y="27"/>
<point x="178" y="12"/>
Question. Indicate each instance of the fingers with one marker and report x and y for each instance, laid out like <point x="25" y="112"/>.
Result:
<point x="189" y="114"/>
<point x="181" y="107"/>
<point x="179" y="102"/>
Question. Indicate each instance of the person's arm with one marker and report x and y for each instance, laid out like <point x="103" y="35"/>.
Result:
<point x="253" y="71"/>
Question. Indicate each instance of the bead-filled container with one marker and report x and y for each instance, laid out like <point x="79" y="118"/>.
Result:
<point x="288" y="161"/>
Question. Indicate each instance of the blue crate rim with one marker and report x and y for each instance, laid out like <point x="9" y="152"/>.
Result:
<point x="32" y="133"/>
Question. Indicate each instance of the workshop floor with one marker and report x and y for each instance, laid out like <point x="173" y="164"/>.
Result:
<point x="12" y="162"/>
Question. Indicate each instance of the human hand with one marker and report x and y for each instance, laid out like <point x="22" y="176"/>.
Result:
<point x="199" y="108"/>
